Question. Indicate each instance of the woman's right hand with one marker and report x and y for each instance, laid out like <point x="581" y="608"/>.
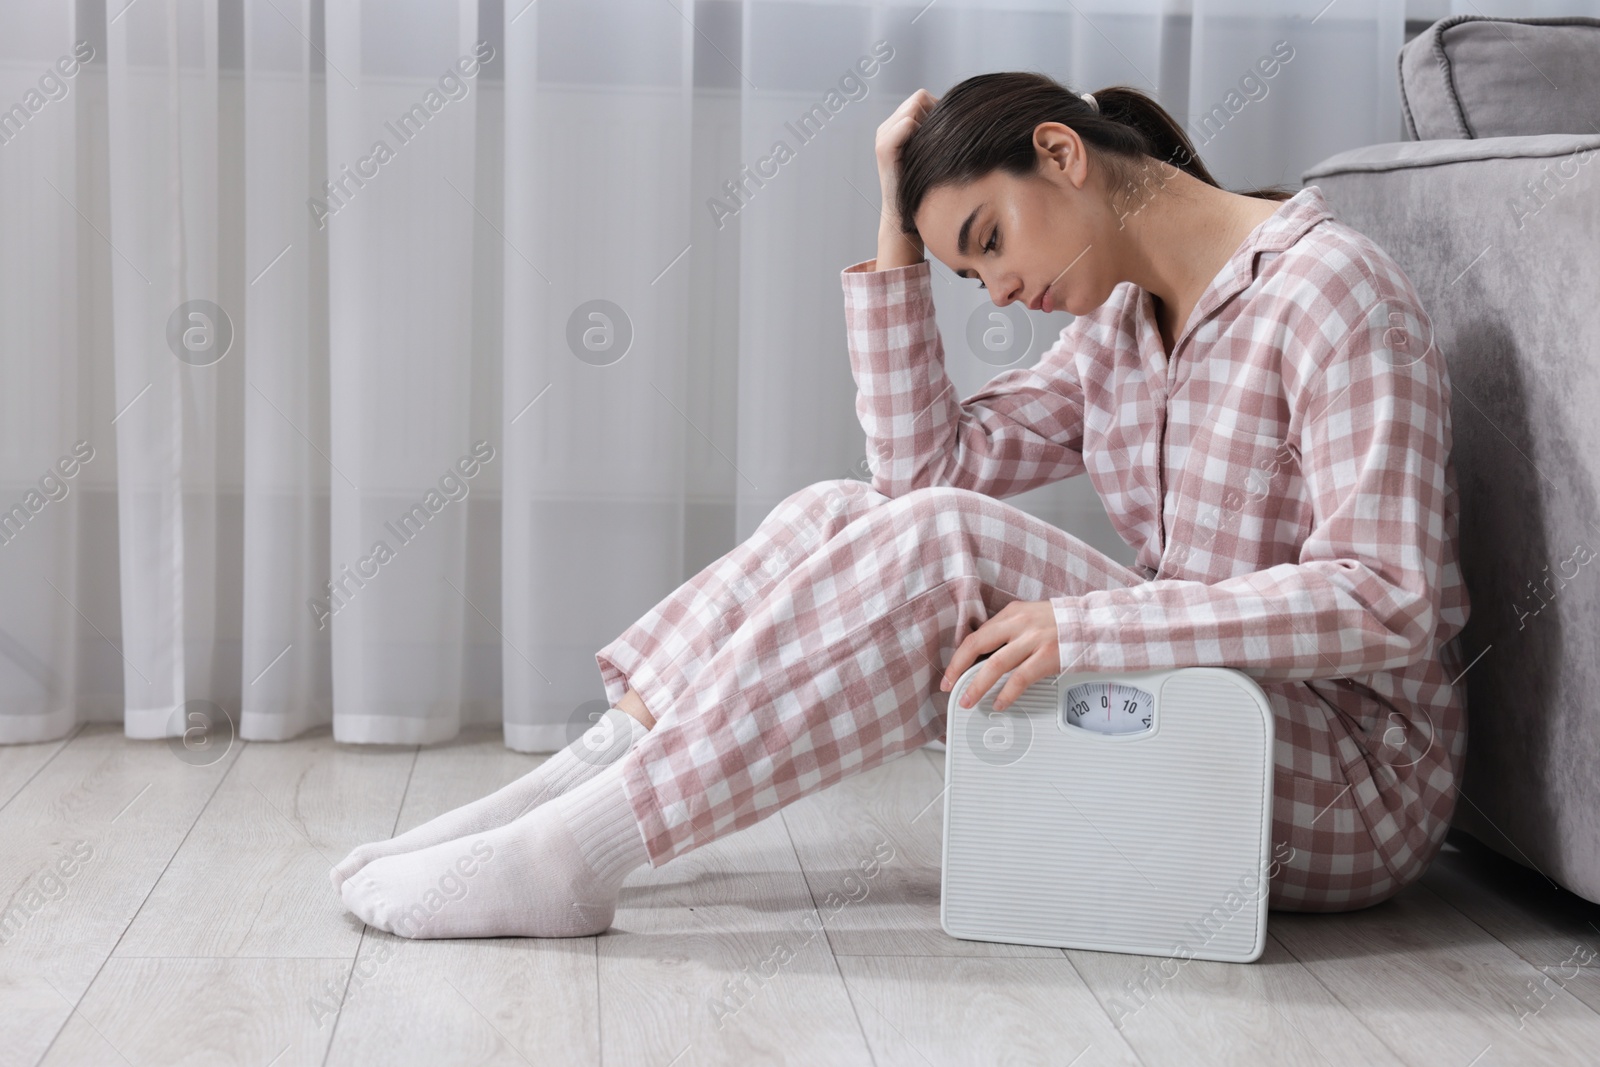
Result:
<point x="892" y="133"/>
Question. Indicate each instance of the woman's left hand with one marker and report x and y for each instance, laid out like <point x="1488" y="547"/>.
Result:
<point x="1022" y="638"/>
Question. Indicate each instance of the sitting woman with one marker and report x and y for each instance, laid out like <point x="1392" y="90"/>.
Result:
<point x="1252" y="389"/>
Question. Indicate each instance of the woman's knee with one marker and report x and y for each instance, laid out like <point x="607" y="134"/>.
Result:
<point x="820" y="511"/>
<point x="819" y="502"/>
<point x="838" y="494"/>
<point x="811" y="515"/>
<point x="937" y="501"/>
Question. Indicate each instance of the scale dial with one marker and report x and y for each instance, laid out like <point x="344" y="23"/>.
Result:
<point x="1111" y="707"/>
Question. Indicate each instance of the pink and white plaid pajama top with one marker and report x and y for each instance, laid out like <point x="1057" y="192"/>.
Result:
<point x="1285" y="478"/>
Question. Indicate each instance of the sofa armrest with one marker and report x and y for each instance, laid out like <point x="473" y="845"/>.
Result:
<point x="1498" y="235"/>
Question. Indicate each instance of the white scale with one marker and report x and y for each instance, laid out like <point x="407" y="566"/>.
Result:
<point x="1120" y="812"/>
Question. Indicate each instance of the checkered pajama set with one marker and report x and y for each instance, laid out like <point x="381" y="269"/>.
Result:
<point x="1285" y="477"/>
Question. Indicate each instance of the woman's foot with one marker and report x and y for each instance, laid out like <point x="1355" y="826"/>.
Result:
<point x="555" y="872"/>
<point x="602" y="745"/>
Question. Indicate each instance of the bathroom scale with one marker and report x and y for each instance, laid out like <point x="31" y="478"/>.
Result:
<point x="1119" y="812"/>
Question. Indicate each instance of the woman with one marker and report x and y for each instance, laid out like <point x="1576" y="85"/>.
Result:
<point x="1252" y="389"/>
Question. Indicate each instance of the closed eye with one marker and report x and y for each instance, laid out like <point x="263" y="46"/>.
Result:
<point x="989" y="247"/>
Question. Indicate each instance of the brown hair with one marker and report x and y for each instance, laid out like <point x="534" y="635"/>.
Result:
<point x="986" y="123"/>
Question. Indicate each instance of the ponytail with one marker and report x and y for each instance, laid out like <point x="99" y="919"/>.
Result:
<point x="986" y="123"/>
<point x="1166" y="140"/>
<point x="1140" y="125"/>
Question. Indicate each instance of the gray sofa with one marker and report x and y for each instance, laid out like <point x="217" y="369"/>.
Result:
<point x="1492" y="207"/>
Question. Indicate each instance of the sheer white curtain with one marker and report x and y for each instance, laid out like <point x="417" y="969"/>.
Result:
<point x="375" y="364"/>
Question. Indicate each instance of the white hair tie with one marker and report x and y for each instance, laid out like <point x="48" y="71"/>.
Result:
<point x="1088" y="98"/>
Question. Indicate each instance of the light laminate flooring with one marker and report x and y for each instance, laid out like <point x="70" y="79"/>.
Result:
<point x="197" y="926"/>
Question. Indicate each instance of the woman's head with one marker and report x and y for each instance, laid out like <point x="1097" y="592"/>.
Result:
<point x="1015" y="178"/>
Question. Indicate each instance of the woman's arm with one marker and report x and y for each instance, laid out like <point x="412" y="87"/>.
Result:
<point x="1366" y="594"/>
<point x="1023" y="429"/>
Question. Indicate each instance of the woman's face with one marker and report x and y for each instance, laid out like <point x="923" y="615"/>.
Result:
<point x="1021" y="236"/>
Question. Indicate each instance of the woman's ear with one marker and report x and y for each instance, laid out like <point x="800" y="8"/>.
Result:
<point x="1061" y="152"/>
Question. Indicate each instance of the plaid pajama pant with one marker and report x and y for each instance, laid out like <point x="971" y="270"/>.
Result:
<point x="813" y="651"/>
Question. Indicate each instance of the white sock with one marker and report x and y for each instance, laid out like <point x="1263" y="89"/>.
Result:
<point x="555" y="872"/>
<point x="601" y="819"/>
<point x="603" y="744"/>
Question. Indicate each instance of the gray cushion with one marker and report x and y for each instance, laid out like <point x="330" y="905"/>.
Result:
<point x="1472" y="76"/>
<point x="1508" y="278"/>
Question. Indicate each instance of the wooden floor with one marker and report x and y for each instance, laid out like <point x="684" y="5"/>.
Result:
<point x="196" y="925"/>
